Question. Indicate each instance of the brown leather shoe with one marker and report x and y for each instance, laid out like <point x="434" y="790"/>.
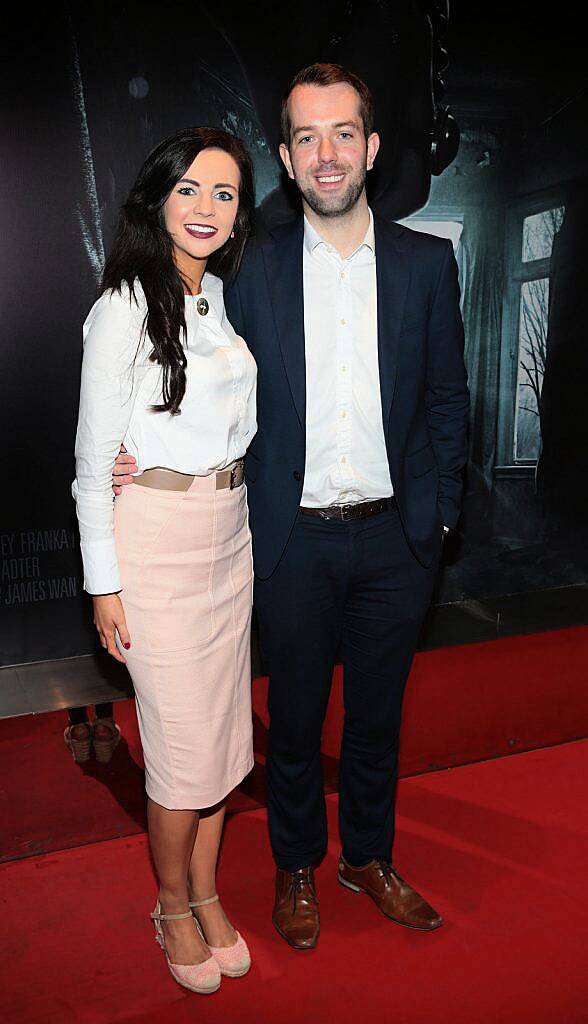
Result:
<point x="391" y="894"/>
<point x="296" y="915"/>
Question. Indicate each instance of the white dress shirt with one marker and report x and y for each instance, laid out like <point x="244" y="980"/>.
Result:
<point x="217" y="418"/>
<point x="346" y="457"/>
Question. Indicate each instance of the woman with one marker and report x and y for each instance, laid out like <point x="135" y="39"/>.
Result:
<point x="169" y="567"/>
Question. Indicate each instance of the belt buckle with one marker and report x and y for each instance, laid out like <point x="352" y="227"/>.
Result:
<point x="344" y="509"/>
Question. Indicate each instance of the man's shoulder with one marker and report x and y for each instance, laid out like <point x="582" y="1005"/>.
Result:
<point x="410" y="239"/>
<point x="265" y="239"/>
<point x="253" y="249"/>
<point x="426" y="252"/>
<point x="266" y="234"/>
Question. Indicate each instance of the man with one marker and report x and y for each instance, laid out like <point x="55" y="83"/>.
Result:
<point x="352" y="478"/>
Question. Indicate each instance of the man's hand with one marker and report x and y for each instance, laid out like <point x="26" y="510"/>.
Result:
<point x="124" y="466"/>
<point x="109" y="619"/>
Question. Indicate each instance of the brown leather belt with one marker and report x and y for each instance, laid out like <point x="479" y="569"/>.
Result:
<point x="345" y="513"/>
<point x="170" y="480"/>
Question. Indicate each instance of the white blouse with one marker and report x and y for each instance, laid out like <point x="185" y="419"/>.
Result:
<point x="216" y="423"/>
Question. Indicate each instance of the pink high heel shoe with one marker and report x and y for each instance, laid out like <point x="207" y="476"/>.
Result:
<point x="234" y="961"/>
<point x="203" y="978"/>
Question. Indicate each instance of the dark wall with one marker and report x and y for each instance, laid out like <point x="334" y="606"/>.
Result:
<point x="88" y="90"/>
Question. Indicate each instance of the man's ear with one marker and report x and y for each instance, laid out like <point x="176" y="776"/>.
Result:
<point x="373" y="145"/>
<point x="285" y="158"/>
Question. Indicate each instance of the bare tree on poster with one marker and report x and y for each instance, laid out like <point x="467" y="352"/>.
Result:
<point x="533" y="334"/>
<point x="534" y="318"/>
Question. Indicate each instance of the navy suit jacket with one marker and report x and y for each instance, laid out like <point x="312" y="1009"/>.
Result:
<point x="423" y="382"/>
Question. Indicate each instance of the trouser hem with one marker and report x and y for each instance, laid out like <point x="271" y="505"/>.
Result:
<point x="296" y="863"/>
<point x="361" y="860"/>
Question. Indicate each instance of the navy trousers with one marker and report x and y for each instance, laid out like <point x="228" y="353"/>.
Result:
<point x="352" y="589"/>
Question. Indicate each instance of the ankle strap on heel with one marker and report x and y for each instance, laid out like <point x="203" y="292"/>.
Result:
<point x="158" y="916"/>
<point x="204" y="903"/>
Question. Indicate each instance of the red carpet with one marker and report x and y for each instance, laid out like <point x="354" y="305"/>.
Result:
<point x="500" y="847"/>
<point x="463" y="704"/>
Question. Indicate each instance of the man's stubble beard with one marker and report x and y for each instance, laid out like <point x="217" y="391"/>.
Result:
<point x="341" y="205"/>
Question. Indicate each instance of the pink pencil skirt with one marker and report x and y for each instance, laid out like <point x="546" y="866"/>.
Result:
<point x="185" y="561"/>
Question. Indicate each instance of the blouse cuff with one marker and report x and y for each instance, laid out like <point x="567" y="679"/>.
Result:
<point x="101" y="572"/>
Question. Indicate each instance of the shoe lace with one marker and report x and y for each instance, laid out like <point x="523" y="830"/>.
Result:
<point x="387" y="871"/>
<point x="301" y="884"/>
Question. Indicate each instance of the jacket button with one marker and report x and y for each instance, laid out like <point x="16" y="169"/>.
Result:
<point x="297" y="475"/>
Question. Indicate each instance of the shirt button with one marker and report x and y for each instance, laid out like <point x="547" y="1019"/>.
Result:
<point x="343" y="415"/>
<point x="342" y="273"/>
<point x="343" y="458"/>
<point x="297" y="475"/>
<point x="344" y="322"/>
<point x="343" y="369"/>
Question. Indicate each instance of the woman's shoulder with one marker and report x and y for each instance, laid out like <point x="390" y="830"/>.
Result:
<point x="126" y="297"/>
<point x="124" y="302"/>
<point x="114" y="325"/>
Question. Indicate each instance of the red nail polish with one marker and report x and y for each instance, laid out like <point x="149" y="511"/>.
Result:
<point x="127" y="647"/>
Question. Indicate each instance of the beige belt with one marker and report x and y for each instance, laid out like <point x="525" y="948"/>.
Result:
<point x="170" y="480"/>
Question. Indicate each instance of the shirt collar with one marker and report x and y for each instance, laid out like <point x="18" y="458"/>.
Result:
<point x="312" y="239"/>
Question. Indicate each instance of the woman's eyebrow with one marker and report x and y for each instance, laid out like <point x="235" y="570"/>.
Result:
<point x="219" y="184"/>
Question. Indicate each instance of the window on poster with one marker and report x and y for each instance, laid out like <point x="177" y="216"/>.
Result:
<point x="539" y="230"/>
<point x="532" y="226"/>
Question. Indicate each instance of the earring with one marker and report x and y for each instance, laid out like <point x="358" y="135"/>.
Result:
<point x="232" y="234"/>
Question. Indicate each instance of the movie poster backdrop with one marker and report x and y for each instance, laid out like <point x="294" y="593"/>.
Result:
<point x="89" y="89"/>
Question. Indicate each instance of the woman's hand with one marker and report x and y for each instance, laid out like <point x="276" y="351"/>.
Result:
<point x="109" y="618"/>
<point x="124" y="467"/>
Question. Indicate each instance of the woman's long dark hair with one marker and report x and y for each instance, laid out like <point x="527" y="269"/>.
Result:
<point x="143" y="249"/>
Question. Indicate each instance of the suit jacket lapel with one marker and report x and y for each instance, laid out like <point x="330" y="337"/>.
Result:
<point x="283" y="263"/>
<point x="393" y="249"/>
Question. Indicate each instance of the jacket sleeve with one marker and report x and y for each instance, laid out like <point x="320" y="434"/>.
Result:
<point x="446" y="390"/>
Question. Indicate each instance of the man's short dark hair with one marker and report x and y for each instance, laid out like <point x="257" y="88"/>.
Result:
<point x="329" y="74"/>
